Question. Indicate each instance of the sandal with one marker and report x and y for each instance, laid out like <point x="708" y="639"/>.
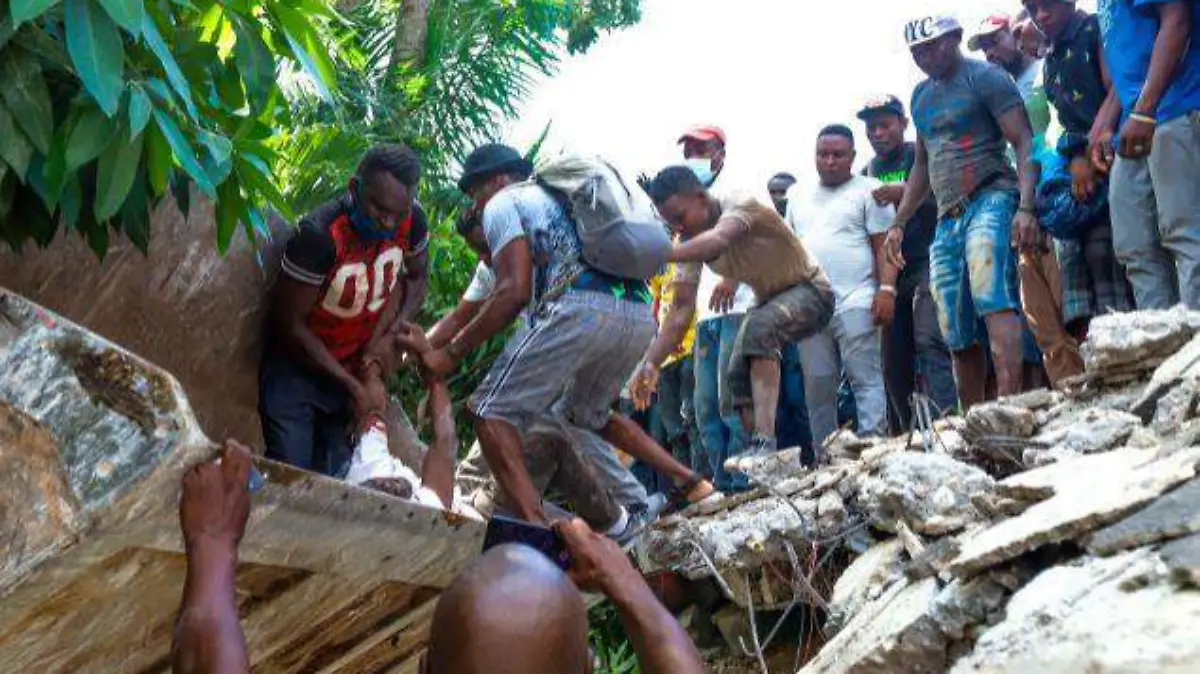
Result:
<point x="695" y="489"/>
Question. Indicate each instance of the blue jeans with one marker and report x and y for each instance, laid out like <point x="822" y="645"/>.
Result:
<point x="305" y="417"/>
<point x="791" y="421"/>
<point x="722" y="436"/>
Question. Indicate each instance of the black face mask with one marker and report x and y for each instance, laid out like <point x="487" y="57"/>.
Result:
<point x="781" y="206"/>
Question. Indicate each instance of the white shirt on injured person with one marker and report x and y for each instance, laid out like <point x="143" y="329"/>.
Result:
<point x="835" y="224"/>
<point x="372" y="461"/>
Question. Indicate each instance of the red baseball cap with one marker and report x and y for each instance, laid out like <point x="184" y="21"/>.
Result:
<point x="703" y="134"/>
<point x="990" y="26"/>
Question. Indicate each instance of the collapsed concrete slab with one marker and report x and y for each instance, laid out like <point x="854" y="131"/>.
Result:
<point x="1182" y="558"/>
<point x="1101" y="616"/>
<point x="863" y="581"/>
<point x="1094" y="498"/>
<point x="1171" y="516"/>
<point x="893" y="634"/>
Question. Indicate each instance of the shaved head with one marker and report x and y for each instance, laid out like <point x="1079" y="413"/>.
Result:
<point x="512" y="611"/>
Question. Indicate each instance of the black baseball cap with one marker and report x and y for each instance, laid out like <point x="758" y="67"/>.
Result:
<point x="489" y="160"/>
<point x="886" y="103"/>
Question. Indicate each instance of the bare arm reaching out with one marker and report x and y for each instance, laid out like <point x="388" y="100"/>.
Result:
<point x="597" y="563"/>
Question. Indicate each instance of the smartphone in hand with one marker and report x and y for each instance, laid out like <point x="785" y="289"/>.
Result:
<point x="503" y="530"/>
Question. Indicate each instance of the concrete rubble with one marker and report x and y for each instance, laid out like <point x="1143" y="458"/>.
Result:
<point x="1055" y="531"/>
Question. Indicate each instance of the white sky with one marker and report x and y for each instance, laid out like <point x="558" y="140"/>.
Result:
<point x="771" y="73"/>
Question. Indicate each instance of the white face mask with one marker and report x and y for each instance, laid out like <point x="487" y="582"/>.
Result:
<point x="702" y="168"/>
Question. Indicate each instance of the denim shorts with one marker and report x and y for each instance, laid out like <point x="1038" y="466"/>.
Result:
<point x="973" y="269"/>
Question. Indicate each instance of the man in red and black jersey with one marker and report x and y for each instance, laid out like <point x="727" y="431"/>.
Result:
<point x="337" y="296"/>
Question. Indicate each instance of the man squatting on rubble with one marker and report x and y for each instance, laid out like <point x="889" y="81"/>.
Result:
<point x="482" y="622"/>
<point x="745" y="242"/>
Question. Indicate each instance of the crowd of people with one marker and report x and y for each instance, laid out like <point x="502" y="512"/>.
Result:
<point x="1050" y="181"/>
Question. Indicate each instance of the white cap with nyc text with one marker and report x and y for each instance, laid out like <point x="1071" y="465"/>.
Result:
<point x="929" y="28"/>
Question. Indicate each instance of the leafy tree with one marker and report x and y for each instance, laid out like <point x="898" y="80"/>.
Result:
<point x="108" y="104"/>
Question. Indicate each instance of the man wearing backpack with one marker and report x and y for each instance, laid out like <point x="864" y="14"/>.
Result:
<point x="584" y="330"/>
<point x="745" y="242"/>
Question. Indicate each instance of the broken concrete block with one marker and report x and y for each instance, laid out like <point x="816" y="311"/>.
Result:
<point x="733" y="623"/>
<point x="1170" y="516"/>
<point x="863" y="581"/>
<point x="1000" y="419"/>
<point x="891" y="634"/>
<point x="1139" y="339"/>
<point x="964" y="604"/>
<point x="1182" y="558"/>
<point x="1094" y="498"/>
<point x="831" y="511"/>
<point x="934" y="558"/>
<point x="1077" y="618"/>
<point x="1176" y="407"/>
<point x="1096" y="430"/>
<point x="1036" y="399"/>
<point x="931" y="492"/>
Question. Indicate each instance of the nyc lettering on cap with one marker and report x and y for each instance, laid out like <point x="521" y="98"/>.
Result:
<point x="929" y="28"/>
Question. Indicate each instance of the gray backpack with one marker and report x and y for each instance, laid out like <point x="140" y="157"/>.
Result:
<point x="617" y="225"/>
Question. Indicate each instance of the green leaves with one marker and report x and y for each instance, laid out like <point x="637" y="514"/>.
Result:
<point x="139" y="109"/>
<point x="126" y="13"/>
<point x="307" y="48"/>
<point x="183" y="151"/>
<point x="92" y="133"/>
<point x="27" y="96"/>
<point x="114" y="175"/>
<point x="24" y="10"/>
<point x="96" y="50"/>
<point x="255" y="63"/>
<point x="15" y="148"/>
<point x="179" y="83"/>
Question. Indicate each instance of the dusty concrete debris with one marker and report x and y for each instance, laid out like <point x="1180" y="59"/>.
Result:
<point x="1177" y="406"/>
<point x="930" y="492"/>
<point x="1077" y="618"/>
<point x="1036" y="399"/>
<point x="1170" y="516"/>
<point x="933" y="560"/>
<point x="1182" y="558"/>
<point x="964" y="604"/>
<point x="863" y="581"/>
<point x="892" y="635"/>
<point x="1096" y="430"/>
<point x="1140" y="340"/>
<point x="1093" y="499"/>
<point x="1073" y="489"/>
<point x="1000" y="419"/>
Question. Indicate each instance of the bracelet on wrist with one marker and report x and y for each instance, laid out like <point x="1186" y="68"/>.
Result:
<point x="1143" y="118"/>
<point x="889" y="289"/>
<point x="1032" y="210"/>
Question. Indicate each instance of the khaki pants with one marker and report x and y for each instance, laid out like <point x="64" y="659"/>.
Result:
<point x="1041" y="300"/>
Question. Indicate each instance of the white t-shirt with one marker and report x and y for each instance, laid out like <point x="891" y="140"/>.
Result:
<point x="835" y="224"/>
<point x="482" y="284"/>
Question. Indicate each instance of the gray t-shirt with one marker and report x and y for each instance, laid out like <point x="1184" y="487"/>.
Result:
<point x="956" y="119"/>
<point x="528" y="211"/>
